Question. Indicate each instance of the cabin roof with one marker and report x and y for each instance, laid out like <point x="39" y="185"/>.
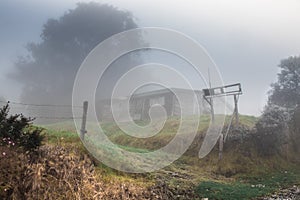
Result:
<point x="164" y="91"/>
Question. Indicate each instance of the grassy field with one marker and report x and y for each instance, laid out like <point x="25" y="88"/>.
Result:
<point x="248" y="187"/>
<point x="241" y="174"/>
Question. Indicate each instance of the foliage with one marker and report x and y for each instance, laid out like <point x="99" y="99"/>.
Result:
<point x="295" y="130"/>
<point x="271" y="129"/>
<point x="57" y="173"/>
<point x="15" y="130"/>
<point x="274" y="126"/>
<point x="65" y="42"/>
<point x="286" y="91"/>
<point x="12" y="163"/>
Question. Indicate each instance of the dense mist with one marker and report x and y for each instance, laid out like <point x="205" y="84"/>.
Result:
<point x="47" y="73"/>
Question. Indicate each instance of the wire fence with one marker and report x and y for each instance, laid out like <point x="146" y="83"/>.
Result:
<point x="45" y="112"/>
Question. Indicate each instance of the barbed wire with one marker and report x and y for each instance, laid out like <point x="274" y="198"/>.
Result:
<point x="41" y="105"/>
<point x="42" y="117"/>
<point x="36" y="107"/>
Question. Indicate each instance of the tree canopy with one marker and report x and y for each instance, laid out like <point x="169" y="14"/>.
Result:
<point x="286" y="91"/>
<point x="48" y="72"/>
<point x="278" y="124"/>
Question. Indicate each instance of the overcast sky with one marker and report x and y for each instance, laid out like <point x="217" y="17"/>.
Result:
<point x="246" y="39"/>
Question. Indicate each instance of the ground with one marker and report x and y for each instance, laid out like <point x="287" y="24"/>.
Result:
<point x="64" y="168"/>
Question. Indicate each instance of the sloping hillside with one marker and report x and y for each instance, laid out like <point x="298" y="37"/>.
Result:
<point x="63" y="169"/>
<point x="242" y="171"/>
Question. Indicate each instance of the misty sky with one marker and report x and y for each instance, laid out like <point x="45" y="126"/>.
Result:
<point x="246" y="39"/>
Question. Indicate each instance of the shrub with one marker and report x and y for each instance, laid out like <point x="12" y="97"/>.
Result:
<point x="295" y="130"/>
<point x="270" y="130"/>
<point x="16" y="131"/>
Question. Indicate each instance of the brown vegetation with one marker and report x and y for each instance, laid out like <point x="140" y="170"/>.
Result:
<point x="67" y="173"/>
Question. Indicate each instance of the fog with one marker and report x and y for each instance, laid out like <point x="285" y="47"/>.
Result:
<point x="246" y="40"/>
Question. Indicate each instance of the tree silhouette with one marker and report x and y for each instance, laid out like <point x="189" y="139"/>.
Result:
<point x="48" y="72"/>
<point x="286" y="91"/>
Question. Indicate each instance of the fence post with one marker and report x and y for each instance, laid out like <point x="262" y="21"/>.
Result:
<point x="236" y="111"/>
<point x="83" y="122"/>
<point x="221" y="144"/>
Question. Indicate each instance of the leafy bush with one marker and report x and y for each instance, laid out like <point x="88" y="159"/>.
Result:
<point x="270" y="130"/>
<point x="15" y="130"/>
<point x="295" y="130"/>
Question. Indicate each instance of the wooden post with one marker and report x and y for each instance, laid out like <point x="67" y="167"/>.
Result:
<point x="83" y="122"/>
<point x="212" y="109"/>
<point x="236" y="111"/>
<point x="221" y="144"/>
<point x="211" y="98"/>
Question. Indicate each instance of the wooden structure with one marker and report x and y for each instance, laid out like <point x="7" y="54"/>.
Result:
<point x="228" y="90"/>
<point x="140" y="103"/>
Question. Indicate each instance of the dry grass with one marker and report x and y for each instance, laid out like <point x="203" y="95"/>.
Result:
<point x="63" y="169"/>
<point x="68" y="173"/>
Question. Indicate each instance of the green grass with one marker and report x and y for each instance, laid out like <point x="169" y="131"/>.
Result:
<point x="249" y="172"/>
<point x="238" y="191"/>
<point x="248" y="188"/>
<point x="64" y="132"/>
<point x="67" y="131"/>
<point x="248" y="120"/>
<point x="132" y="149"/>
<point x="56" y="136"/>
<point x="165" y="135"/>
<point x="67" y="125"/>
<point x="280" y="179"/>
